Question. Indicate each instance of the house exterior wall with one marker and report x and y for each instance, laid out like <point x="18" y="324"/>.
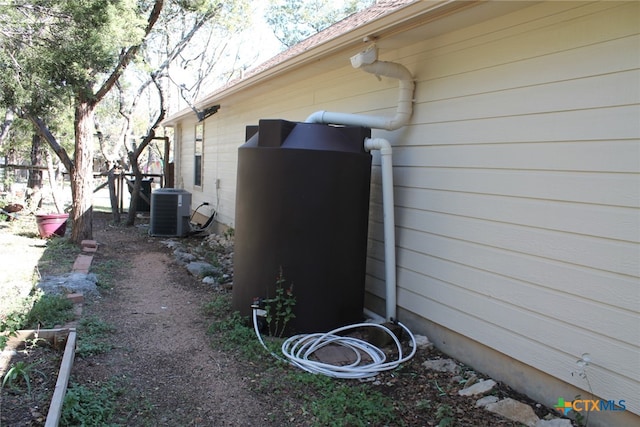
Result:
<point x="517" y="190"/>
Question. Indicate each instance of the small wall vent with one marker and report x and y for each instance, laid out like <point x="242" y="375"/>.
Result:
<point x="170" y="212"/>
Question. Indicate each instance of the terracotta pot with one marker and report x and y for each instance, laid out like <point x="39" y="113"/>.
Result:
<point x="52" y="224"/>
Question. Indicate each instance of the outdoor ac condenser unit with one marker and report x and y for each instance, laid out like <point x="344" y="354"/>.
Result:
<point x="170" y="212"/>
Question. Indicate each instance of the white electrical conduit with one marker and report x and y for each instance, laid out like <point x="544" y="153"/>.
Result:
<point x="298" y="350"/>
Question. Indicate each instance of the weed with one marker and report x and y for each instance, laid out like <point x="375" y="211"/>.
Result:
<point x="441" y="391"/>
<point x="444" y="415"/>
<point x="59" y="257"/>
<point x="229" y="233"/>
<point x="105" y="272"/>
<point x="279" y="309"/>
<point x="84" y="406"/>
<point x="423" y="405"/>
<point x="232" y="333"/>
<point x="582" y="365"/>
<point x="335" y="403"/>
<point x="10" y="324"/>
<point x="49" y="311"/>
<point x="213" y="259"/>
<point x="91" y="337"/>
<point x="219" y="307"/>
<point x="581" y="420"/>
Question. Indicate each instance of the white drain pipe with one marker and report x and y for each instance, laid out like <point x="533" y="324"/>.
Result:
<point x="367" y="60"/>
<point x="403" y="111"/>
<point x="389" y="222"/>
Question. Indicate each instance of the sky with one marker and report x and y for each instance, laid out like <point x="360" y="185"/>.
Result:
<point x="252" y="47"/>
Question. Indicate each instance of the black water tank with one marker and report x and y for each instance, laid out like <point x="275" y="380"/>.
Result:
<point x="302" y="204"/>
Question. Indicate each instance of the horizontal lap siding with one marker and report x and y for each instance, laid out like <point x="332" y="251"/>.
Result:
<point x="518" y="190"/>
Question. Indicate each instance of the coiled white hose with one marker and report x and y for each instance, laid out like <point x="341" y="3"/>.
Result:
<point x="298" y="349"/>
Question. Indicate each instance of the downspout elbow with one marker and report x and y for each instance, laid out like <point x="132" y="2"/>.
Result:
<point x="380" y="144"/>
<point x="316" y="117"/>
<point x="404" y="108"/>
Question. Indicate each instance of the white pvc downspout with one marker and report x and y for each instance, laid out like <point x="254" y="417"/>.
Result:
<point x="403" y="111"/>
<point x="389" y="222"/>
<point x="368" y="62"/>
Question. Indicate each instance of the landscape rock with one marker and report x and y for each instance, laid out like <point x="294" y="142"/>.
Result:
<point x="483" y="387"/>
<point x="70" y="283"/>
<point x="556" y="422"/>
<point x="472" y="379"/>
<point x="210" y="280"/>
<point x="201" y="268"/>
<point x="170" y="243"/>
<point x="422" y="342"/>
<point x="442" y="365"/>
<point x="481" y="403"/>
<point x="514" y="411"/>
<point x="183" y="257"/>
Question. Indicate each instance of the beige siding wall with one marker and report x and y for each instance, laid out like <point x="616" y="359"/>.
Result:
<point x="517" y="190"/>
<point x="517" y="182"/>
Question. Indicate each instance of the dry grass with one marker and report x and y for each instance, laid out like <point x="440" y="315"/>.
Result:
<point x="21" y="248"/>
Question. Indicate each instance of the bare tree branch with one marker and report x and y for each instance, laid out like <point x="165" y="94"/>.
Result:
<point x="44" y="131"/>
<point x="129" y="54"/>
<point x="135" y="154"/>
<point x="6" y="124"/>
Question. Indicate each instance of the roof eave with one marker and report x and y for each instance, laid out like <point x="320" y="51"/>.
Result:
<point x="414" y="13"/>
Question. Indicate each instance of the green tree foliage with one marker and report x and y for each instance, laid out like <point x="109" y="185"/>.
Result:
<point x="295" y="20"/>
<point x="55" y="50"/>
<point x="58" y="54"/>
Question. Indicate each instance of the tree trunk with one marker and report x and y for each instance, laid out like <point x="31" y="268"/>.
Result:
<point x="53" y="182"/>
<point x="113" y="198"/>
<point x="135" y="192"/>
<point x="6" y="124"/>
<point x="35" y="175"/>
<point x="10" y="174"/>
<point x="82" y="174"/>
<point x="34" y="182"/>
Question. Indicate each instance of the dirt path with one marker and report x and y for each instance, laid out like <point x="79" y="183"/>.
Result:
<point x="162" y="348"/>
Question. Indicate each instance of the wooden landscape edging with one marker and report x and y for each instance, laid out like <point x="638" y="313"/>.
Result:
<point x="55" y="407"/>
<point x="55" y="337"/>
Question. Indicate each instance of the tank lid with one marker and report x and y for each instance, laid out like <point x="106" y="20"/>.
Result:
<point x="306" y="136"/>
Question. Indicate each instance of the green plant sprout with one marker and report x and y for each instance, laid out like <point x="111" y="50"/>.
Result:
<point x="19" y="372"/>
<point x="32" y="343"/>
<point x="279" y="309"/>
<point x="444" y="414"/>
<point x="582" y="364"/>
